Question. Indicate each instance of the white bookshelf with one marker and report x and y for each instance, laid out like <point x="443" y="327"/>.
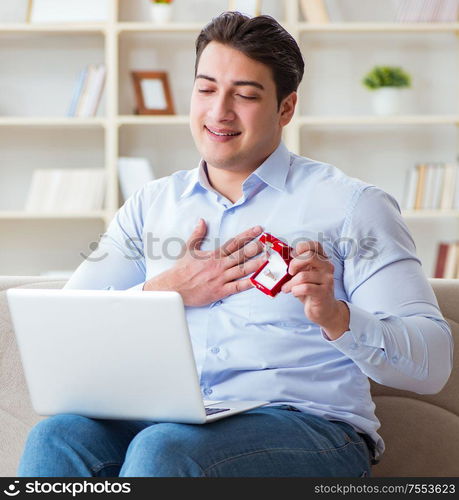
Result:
<point x="127" y="40"/>
<point x="12" y="215"/>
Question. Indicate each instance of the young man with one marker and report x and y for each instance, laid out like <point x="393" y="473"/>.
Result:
<point x="358" y="304"/>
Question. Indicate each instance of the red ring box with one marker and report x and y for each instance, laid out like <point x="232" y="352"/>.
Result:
<point x="273" y="273"/>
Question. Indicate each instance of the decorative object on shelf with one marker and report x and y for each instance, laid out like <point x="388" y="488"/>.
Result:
<point x="152" y="93"/>
<point x="161" y="11"/>
<point x="133" y="173"/>
<point x="250" y="7"/>
<point x="386" y="82"/>
<point x="68" y="11"/>
<point x="315" y="11"/>
<point x="88" y="91"/>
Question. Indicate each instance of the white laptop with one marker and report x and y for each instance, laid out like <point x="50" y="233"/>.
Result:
<point x="111" y="354"/>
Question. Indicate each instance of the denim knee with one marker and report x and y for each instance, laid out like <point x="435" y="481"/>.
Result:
<point x="161" y="451"/>
<point x="53" y="428"/>
<point x="47" y="450"/>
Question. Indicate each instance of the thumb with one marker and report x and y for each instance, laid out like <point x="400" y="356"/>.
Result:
<point x="197" y="236"/>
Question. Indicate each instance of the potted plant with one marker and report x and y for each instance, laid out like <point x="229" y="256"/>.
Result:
<point x="161" y="11"/>
<point x="386" y="83"/>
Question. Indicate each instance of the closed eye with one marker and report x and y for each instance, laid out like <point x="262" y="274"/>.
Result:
<point x="250" y="98"/>
<point x="204" y="91"/>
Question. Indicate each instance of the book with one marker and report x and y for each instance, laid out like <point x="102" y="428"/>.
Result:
<point x="77" y="91"/>
<point x="438" y="185"/>
<point x="449" y="187"/>
<point x="88" y="91"/>
<point x="428" y="187"/>
<point x="315" y="11"/>
<point x="420" y="186"/>
<point x="426" y="11"/>
<point x="94" y="91"/>
<point x="133" y="173"/>
<point x="410" y="188"/>
<point x="442" y="252"/>
<point x="451" y="262"/>
<point x="90" y="74"/>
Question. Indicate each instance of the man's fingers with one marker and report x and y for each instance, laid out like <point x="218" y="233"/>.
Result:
<point x="248" y="251"/>
<point x="313" y="246"/>
<point x="241" y="270"/>
<point x="197" y="236"/>
<point x="236" y="243"/>
<point x="237" y="286"/>
<point x="308" y="260"/>
<point x="315" y="277"/>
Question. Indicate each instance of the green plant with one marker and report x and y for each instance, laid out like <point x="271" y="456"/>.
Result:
<point x="386" y="76"/>
<point x="161" y="1"/>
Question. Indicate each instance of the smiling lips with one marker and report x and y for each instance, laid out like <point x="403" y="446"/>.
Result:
<point x="222" y="135"/>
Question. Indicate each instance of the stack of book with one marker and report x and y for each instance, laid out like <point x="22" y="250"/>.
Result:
<point x="432" y="186"/>
<point x="88" y="91"/>
<point x="72" y="190"/>
<point x="427" y="11"/>
<point x="447" y="264"/>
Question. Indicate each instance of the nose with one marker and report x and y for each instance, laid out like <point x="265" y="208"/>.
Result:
<point x="221" y="109"/>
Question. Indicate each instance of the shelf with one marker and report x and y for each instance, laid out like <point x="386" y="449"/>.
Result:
<point x="379" y="27"/>
<point x="53" y="28"/>
<point x="430" y="214"/>
<point x="25" y="121"/>
<point x="22" y="215"/>
<point x="172" y="27"/>
<point x="184" y="120"/>
<point x="163" y="28"/>
<point x="153" y="120"/>
<point x="379" y="120"/>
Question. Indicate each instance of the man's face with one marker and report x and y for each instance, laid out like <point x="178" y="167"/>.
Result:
<point x="234" y="114"/>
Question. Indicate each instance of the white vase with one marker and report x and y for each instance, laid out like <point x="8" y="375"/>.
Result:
<point x="386" y="101"/>
<point x="161" y="13"/>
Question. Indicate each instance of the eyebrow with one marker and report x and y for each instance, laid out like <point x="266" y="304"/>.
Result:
<point x="238" y="83"/>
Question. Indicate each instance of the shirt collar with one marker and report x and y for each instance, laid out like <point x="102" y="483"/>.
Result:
<point x="273" y="171"/>
<point x="198" y="177"/>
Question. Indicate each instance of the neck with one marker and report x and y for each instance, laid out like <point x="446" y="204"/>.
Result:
<point x="227" y="183"/>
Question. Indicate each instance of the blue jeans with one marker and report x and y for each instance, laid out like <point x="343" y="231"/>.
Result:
<point x="265" y="442"/>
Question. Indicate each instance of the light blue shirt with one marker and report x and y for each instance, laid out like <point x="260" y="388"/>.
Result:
<point x="251" y="346"/>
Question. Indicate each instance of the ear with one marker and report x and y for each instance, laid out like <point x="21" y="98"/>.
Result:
<point x="287" y="108"/>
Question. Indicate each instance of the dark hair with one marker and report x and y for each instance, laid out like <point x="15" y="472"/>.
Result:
<point x="261" y="38"/>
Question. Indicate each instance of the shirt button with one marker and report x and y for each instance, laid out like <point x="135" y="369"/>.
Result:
<point x="394" y="359"/>
<point x="354" y="346"/>
<point x="363" y="338"/>
<point x="215" y="350"/>
<point x="208" y="391"/>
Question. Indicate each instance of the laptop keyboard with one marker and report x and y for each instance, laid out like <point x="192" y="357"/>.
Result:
<point x="212" y="411"/>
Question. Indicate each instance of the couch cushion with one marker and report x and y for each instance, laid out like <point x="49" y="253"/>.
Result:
<point x="421" y="439"/>
<point x="16" y="413"/>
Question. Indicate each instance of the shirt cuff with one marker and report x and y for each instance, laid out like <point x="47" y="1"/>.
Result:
<point x="365" y="330"/>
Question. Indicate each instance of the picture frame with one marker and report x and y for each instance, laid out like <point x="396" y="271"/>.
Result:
<point x="68" y="11"/>
<point x="249" y="7"/>
<point x="152" y="93"/>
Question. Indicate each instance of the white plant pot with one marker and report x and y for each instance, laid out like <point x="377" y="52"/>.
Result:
<point x="161" y="13"/>
<point x="386" y="100"/>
